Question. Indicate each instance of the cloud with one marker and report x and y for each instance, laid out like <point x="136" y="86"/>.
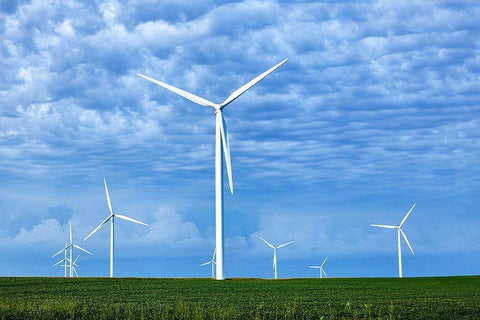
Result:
<point x="47" y="230"/>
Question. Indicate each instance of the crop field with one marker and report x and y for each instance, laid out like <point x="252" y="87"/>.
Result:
<point x="140" y="298"/>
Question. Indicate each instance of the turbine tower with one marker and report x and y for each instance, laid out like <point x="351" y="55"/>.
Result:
<point x="111" y="218"/>
<point x="275" y="252"/>
<point x="222" y="149"/>
<point x="212" y="262"/>
<point x="399" y="231"/>
<point x="70" y="246"/>
<point x="320" y="267"/>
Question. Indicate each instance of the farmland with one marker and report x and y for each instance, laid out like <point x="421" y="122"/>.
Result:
<point x="139" y="298"/>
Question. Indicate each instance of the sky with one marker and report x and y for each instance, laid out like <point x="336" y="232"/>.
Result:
<point x="376" y="109"/>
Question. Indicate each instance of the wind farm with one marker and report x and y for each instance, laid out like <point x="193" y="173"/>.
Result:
<point x="239" y="159"/>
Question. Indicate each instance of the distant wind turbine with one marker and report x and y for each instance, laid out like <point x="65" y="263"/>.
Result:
<point x="275" y="252"/>
<point x="222" y="146"/>
<point x="320" y="267"/>
<point x="70" y="246"/>
<point x="212" y="262"/>
<point x="399" y="231"/>
<point x="111" y="218"/>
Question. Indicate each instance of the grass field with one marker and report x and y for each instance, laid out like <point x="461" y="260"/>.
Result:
<point x="131" y="298"/>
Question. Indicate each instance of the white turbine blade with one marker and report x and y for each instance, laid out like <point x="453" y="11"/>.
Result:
<point x="285" y="244"/>
<point x="185" y="94"/>
<point x="226" y="150"/>
<point x="204" y="264"/>
<point x="75" y="270"/>
<point x="130" y="219"/>
<point x="213" y="257"/>
<point x="405" y="237"/>
<point x="108" y="196"/>
<point x="74" y="261"/>
<point x="98" y="227"/>
<point x="268" y="243"/>
<point x="60" y="251"/>
<point x="237" y="93"/>
<point x="406" y="216"/>
<point x="80" y="248"/>
<point x="58" y="263"/>
<point x="324" y="262"/>
<point x="323" y="272"/>
<point x="70" y="231"/>
<point x="383" y="226"/>
<point x="314" y="267"/>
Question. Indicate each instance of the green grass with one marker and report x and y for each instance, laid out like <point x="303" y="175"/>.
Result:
<point x="367" y="298"/>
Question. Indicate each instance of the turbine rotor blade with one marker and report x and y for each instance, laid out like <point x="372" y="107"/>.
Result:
<point x="237" y="93"/>
<point x="204" y="264"/>
<point x="130" y="219"/>
<point x="406" y="240"/>
<point x="325" y="274"/>
<point x="98" y="227"/>
<point x="185" y="94"/>
<point x="268" y="243"/>
<point x="80" y="248"/>
<point x="406" y="216"/>
<point x="57" y="263"/>
<point x="214" y="253"/>
<point x="323" y="262"/>
<point x="226" y="149"/>
<point x="285" y="244"/>
<point x="108" y="197"/>
<point x="60" y="251"/>
<point x="314" y="267"/>
<point x="383" y="226"/>
<point x="75" y="270"/>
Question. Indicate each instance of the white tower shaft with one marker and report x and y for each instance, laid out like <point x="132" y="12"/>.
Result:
<point x="65" y="262"/>
<point x="275" y="261"/>
<point x="219" y="196"/>
<point x="71" y="251"/>
<point x="111" y="245"/>
<point x="399" y="255"/>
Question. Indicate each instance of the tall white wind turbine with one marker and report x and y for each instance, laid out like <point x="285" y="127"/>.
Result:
<point x="70" y="246"/>
<point x="275" y="253"/>
<point x="212" y="262"/>
<point x="320" y="267"/>
<point x="111" y="218"/>
<point x="222" y="149"/>
<point x="399" y="231"/>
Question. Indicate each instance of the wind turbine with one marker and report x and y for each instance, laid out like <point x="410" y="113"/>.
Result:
<point x="111" y="218"/>
<point x="70" y="246"/>
<point x="275" y="253"/>
<point x="320" y="267"/>
<point x="212" y="262"/>
<point x="222" y="145"/>
<point x="399" y="231"/>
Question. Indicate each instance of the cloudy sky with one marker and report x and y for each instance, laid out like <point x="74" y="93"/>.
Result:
<point x="377" y="108"/>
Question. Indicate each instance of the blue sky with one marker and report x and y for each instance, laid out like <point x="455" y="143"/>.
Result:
<point x="377" y="108"/>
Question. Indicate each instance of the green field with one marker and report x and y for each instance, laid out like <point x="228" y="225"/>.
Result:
<point x="132" y="298"/>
